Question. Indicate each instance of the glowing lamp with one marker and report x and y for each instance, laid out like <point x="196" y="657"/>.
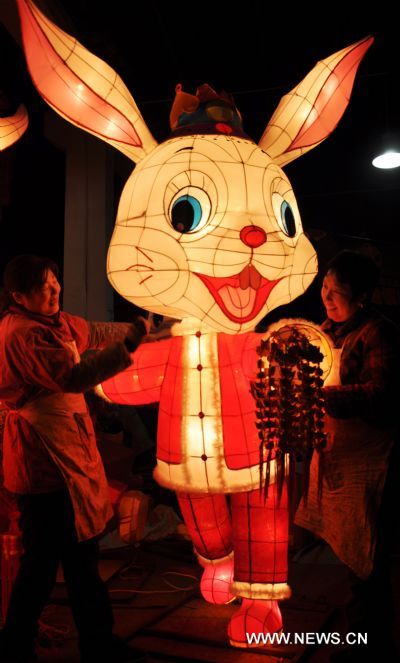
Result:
<point x="12" y="127"/>
<point x="388" y="153"/>
<point x="133" y="508"/>
<point x="259" y="616"/>
<point x="216" y="582"/>
<point x="208" y="232"/>
<point x="387" y="160"/>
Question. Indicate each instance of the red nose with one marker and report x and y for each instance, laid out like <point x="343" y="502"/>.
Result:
<point x="253" y="236"/>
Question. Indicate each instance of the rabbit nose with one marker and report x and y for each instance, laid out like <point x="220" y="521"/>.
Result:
<point x="253" y="236"/>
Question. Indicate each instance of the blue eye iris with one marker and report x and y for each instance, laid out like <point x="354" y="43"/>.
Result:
<point x="186" y="214"/>
<point x="288" y="222"/>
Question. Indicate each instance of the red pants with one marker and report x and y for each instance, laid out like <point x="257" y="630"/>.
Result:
<point x="256" y="530"/>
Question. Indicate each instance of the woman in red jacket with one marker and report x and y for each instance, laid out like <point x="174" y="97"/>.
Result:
<point x="50" y="457"/>
<point x="356" y="514"/>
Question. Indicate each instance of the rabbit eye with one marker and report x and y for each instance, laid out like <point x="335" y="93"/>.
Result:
<point x="188" y="212"/>
<point x="285" y="209"/>
<point x="288" y="223"/>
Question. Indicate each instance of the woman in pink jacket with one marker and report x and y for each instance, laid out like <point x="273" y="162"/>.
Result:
<point x="50" y="459"/>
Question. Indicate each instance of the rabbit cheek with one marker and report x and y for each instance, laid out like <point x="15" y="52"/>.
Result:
<point x="305" y="267"/>
<point x="297" y="277"/>
<point x="148" y="268"/>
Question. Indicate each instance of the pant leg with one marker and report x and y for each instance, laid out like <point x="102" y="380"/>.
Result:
<point x="208" y="521"/>
<point x="371" y="607"/>
<point x="40" y="523"/>
<point x="88" y="595"/>
<point x="260" y="543"/>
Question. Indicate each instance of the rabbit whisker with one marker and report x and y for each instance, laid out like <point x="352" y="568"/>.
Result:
<point x="141" y="251"/>
<point x="138" y="264"/>
<point x="146" y="279"/>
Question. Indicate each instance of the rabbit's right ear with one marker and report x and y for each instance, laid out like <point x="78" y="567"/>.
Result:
<point x="80" y="86"/>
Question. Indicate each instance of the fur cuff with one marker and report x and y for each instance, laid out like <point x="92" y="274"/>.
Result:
<point x="203" y="561"/>
<point x="261" y="590"/>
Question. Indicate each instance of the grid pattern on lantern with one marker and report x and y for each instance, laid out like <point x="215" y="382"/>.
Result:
<point x="208" y="272"/>
<point x="254" y="617"/>
<point x="12" y="127"/>
<point x="141" y="382"/>
<point x="320" y="100"/>
<point x="237" y="402"/>
<point x="208" y="521"/>
<point x="260" y="536"/>
<point x="80" y="86"/>
<point x="171" y="272"/>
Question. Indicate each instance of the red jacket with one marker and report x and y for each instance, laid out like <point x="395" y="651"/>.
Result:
<point x="49" y="441"/>
<point x="172" y="372"/>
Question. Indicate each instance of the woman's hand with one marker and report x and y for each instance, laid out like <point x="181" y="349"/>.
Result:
<point x="137" y="332"/>
<point x="160" y="329"/>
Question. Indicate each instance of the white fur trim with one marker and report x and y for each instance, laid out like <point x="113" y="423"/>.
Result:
<point x="261" y="590"/>
<point x="176" y="477"/>
<point x="203" y="561"/>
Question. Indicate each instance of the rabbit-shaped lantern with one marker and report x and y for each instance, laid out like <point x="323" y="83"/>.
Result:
<point x="208" y="231"/>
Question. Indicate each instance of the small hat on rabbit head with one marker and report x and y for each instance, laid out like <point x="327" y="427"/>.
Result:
<point x="205" y="112"/>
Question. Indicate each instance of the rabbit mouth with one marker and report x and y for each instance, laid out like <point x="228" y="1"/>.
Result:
<point x="242" y="296"/>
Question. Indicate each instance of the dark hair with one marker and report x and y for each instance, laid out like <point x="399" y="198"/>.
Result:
<point x="24" y="274"/>
<point x="356" y="270"/>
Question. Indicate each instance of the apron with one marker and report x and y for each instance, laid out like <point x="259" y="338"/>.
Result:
<point x="355" y="465"/>
<point x="63" y="425"/>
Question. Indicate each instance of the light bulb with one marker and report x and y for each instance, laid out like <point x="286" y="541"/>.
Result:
<point x="390" y="159"/>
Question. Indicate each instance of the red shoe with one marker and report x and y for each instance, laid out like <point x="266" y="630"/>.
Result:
<point x="258" y="617"/>
<point x="216" y="581"/>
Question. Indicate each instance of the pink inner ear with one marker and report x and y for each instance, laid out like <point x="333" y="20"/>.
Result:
<point x="66" y="92"/>
<point x="332" y="100"/>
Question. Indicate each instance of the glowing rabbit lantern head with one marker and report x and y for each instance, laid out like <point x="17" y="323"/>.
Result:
<point x="208" y="225"/>
<point x="12" y="127"/>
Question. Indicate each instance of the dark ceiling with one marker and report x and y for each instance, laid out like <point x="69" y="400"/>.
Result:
<point x="257" y="51"/>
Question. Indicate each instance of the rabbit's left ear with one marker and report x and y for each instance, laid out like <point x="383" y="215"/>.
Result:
<point x="80" y="86"/>
<point x="12" y="127"/>
<point x="311" y="111"/>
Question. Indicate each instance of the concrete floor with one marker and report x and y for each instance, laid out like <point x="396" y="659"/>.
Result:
<point x="157" y="607"/>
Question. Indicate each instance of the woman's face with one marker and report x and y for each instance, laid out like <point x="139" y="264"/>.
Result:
<point x="338" y="299"/>
<point x="45" y="300"/>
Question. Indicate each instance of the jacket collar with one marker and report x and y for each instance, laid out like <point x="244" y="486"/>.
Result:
<point x="48" y="320"/>
<point x="339" y="330"/>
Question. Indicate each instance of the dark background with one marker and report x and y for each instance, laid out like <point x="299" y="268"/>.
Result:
<point x="258" y="52"/>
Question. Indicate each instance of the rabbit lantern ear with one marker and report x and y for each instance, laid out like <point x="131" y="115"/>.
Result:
<point x="80" y="86"/>
<point x="311" y="111"/>
<point x="12" y="127"/>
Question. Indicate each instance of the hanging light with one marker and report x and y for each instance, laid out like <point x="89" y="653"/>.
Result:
<point x="389" y="148"/>
<point x="387" y="160"/>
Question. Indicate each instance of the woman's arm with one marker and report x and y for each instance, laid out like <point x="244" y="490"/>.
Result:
<point x="373" y="391"/>
<point x="42" y="360"/>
